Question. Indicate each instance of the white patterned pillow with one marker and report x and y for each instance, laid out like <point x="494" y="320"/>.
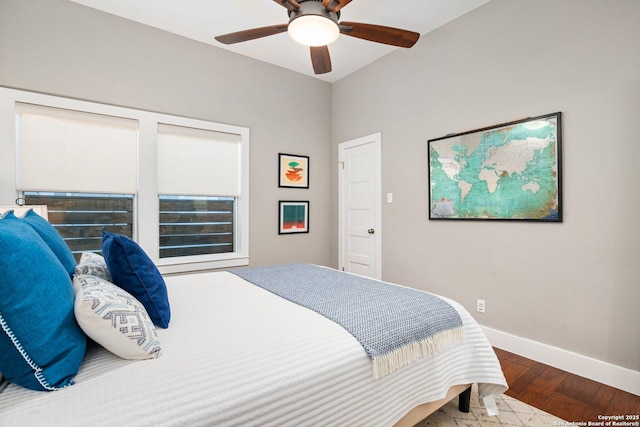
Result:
<point x="114" y="319"/>
<point x="94" y="265"/>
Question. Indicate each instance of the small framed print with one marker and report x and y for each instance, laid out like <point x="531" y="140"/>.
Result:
<point x="293" y="217"/>
<point x="293" y="171"/>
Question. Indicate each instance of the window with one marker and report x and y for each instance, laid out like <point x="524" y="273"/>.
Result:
<point x="65" y="161"/>
<point x="177" y="186"/>
<point x="198" y="185"/>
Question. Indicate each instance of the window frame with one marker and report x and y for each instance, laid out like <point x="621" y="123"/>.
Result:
<point x="146" y="231"/>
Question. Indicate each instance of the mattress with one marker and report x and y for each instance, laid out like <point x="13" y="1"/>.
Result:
<point x="237" y="355"/>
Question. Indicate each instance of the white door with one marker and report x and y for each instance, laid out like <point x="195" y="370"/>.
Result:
<point x="359" y="203"/>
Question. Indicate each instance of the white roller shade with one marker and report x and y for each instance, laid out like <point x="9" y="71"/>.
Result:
<point x="71" y="151"/>
<point x="198" y="162"/>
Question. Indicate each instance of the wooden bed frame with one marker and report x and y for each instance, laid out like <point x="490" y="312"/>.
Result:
<point x="421" y="412"/>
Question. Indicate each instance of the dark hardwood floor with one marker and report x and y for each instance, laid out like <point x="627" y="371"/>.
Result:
<point x="565" y="395"/>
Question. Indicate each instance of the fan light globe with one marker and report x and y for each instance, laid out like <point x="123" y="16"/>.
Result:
<point x="313" y="30"/>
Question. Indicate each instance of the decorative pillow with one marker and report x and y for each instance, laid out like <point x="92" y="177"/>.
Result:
<point x="132" y="270"/>
<point x="41" y="345"/>
<point x="52" y="238"/>
<point x="114" y="319"/>
<point x="93" y="264"/>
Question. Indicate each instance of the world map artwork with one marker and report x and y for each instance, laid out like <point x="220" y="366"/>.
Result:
<point x="510" y="171"/>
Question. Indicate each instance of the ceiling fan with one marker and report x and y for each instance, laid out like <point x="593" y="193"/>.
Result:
<point x="314" y="23"/>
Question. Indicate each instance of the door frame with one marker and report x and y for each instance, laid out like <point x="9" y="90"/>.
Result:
<point x="376" y="140"/>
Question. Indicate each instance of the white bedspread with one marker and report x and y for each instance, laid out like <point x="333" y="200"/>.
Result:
<point x="236" y="354"/>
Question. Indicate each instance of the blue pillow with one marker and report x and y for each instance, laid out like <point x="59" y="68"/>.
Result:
<point x="41" y="345"/>
<point x="132" y="270"/>
<point x="53" y="239"/>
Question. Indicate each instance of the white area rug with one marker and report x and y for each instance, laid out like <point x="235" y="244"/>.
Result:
<point x="512" y="413"/>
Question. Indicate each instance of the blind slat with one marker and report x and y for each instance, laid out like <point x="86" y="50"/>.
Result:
<point x="196" y="240"/>
<point x="193" y="205"/>
<point x="168" y="253"/>
<point x="83" y="203"/>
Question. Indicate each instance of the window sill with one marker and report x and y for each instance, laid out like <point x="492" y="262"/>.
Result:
<point x="172" y="267"/>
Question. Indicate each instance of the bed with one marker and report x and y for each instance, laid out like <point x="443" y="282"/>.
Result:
<point x="236" y="354"/>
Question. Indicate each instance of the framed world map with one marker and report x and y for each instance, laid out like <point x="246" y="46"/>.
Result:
<point x="510" y="171"/>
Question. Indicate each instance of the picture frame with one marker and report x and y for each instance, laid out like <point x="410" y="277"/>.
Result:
<point x="293" y="171"/>
<point x="511" y="172"/>
<point x="293" y="217"/>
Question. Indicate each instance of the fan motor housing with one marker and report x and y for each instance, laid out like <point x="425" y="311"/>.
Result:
<point x="313" y="7"/>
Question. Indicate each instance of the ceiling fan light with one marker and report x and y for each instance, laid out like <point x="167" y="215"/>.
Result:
<point x="313" y="30"/>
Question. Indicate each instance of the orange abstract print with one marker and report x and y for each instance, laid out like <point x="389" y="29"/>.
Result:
<point x="294" y="173"/>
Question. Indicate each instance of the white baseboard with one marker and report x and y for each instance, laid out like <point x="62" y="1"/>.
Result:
<point x="584" y="366"/>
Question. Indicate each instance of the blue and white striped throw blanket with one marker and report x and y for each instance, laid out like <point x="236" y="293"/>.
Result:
<point x="395" y="325"/>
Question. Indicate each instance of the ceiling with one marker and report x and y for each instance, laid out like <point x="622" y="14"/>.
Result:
<point x="202" y="20"/>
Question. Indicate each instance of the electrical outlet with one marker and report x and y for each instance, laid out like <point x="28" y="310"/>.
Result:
<point x="480" y="306"/>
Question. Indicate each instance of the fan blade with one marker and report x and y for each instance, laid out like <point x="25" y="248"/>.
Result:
<point x="380" y="34"/>
<point x="289" y="4"/>
<point x="334" y="5"/>
<point x="320" y="59"/>
<point x="254" y="33"/>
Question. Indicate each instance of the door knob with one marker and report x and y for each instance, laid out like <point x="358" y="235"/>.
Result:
<point x="371" y="231"/>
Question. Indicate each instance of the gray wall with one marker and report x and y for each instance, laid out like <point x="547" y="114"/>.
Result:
<point x="574" y="285"/>
<point x="62" y="48"/>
